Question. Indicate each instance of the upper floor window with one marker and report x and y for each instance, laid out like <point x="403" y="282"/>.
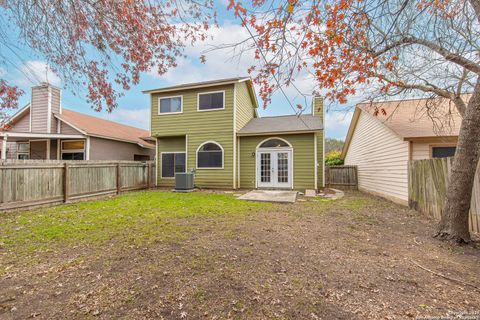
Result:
<point x="211" y="101"/>
<point x="443" y="152"/>
<point x="170" y="105"/>
<point x="210" y="156"/>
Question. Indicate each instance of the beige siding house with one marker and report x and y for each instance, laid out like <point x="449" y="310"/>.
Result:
<point x="383" y="137"/>
<point x="45" y="130"/>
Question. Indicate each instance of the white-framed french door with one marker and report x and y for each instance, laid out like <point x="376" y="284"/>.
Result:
<point x="274" y="168"/>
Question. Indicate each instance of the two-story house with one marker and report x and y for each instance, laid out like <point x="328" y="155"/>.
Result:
<point x="45" y="130"/>
<point x="213" y="128"/>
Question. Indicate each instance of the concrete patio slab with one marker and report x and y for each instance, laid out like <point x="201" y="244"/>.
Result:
<point x="270" y="196"/>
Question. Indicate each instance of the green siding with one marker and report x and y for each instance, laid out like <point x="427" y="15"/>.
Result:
<point x="199" y="127"/>
<point x="245" y="107"/>
<point x="191" y="121"/>
<point x="303" y="160"/>
<point x="319" y="112"/>
<point x="192" y="128"/>
<point x="212" y="178"/>
<point x="320" y="160"/>
<point x="170" y="144"/>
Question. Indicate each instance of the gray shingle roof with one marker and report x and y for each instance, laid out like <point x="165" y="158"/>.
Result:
<point x="282" y="124"/>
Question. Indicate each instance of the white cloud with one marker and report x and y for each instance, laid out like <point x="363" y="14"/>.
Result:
<point x="219" y="63"/>
<point x="34" y="72"/>
<point x="134" y="117"/>
<point x="337" y="123"/>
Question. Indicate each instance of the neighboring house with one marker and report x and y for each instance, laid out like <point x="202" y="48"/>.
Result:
<point x="45" y="130"/>
<point x="381" y="144"/>
<point x="213" y="128"/>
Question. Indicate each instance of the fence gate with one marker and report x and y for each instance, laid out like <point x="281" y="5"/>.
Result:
<point x="342" y="177"/>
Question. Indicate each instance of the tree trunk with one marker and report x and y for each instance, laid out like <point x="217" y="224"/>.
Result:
<point x="454" y="222"/>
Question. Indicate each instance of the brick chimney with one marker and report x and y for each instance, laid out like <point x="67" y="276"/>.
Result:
<point x="45" y="102"/>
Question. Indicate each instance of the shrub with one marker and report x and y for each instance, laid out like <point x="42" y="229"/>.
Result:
<point x="332" y="158"/>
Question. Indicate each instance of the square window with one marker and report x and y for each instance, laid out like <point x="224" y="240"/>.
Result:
<point x="211" y="101"/>
<point x="443" y="152"/>
<point x="23" y="147"/>
<point x="173" y="163"/>
<point x="170" y="105"/>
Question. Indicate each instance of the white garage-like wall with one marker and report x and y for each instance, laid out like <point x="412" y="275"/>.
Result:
<point x="381" y="157"/>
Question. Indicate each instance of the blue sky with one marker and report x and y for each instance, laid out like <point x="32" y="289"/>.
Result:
<point x="29" y="69"/>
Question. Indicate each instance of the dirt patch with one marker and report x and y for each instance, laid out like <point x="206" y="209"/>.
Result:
<point x="355" y="258"/>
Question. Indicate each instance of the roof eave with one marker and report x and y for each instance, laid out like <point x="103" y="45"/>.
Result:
<point x="246" y="134"/>
<point x="18" y="114"/>
<point x="205" y="85"/>
<point x="416" y="138"/>
<point x="351" y="129"/>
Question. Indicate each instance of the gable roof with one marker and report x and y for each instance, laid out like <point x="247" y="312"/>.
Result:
<point x="210" y="83"/>
<point x="102" y="128"/>
<point x="412" y="118"/>
<point x="17" y="116"/>
<point x="194" y="85"/>
<point x="282" y="124"/>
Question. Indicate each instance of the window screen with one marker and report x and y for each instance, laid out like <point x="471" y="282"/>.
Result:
<point x="172" y="163"/>
<point x="443" y="152"/>
<point x="23" y="147"/>
<point x="172" y="104"/>
<point x="210" y="155"/>
<point x="210" y="101"/>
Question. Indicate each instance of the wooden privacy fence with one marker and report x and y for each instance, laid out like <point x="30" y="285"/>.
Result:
<point x="343" y="177"/>
<point x="28" y="183"/>
<point x="427" y="189"/>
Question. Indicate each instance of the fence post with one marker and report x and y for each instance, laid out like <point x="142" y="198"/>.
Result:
<point x="119" y="183"/>
<point x="65" y="182"/>
<point x="149" y="170"/>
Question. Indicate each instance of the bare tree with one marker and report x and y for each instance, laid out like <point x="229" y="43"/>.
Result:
<point x="383" y="48"/>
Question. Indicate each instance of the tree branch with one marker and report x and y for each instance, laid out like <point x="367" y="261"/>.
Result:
<point x="448" y="55"/>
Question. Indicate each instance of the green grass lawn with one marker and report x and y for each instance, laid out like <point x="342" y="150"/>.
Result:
<point x="165" y="255"/>
<point x="138" y="217"/>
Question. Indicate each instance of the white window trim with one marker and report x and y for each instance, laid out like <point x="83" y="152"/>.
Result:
<point x="24" y="152"/>
<point x="210" y="92"/>
<point x="161" y="159"/>
<point x="290" y="148"/>
<point x="268" y="150"/>
<point x="73" y="150"/>
<point x="271" y="138"/>
<point x="209" y="168"/>
<point x="170" y="97"/>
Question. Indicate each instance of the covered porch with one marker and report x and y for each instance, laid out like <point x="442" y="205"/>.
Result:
<point x="43" y="146"/>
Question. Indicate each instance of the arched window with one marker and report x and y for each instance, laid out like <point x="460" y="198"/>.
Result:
<point x="274" y="143"/>
<point x="210" y="156"/>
